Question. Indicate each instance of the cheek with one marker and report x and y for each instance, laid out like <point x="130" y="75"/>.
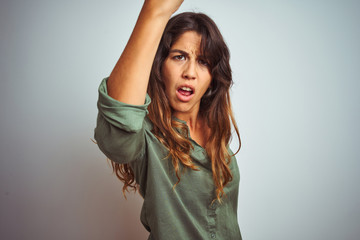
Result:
<point x="205" y="74"/>
<point x="167" y="82"/>
<point x="165" y="76"/>
<point x="169" y="77"/>
<point x="207" y="80"/>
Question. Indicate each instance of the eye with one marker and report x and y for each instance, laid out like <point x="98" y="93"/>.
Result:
<point x="203" y="62"/>
<point x="179" y="57"/>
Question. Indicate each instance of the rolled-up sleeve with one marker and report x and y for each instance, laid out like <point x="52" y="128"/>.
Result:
<point x="119" y="131"/>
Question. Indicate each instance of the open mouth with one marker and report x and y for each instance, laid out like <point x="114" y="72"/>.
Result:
<point x="186" y="91"/>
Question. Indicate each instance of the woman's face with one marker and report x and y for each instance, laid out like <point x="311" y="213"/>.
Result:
<point x="186" y="74"/>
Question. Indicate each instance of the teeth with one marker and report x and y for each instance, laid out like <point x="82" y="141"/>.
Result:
<point x="186" y="89"/>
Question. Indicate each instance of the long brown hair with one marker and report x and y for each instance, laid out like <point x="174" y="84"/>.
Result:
<point x="215" y="105"/>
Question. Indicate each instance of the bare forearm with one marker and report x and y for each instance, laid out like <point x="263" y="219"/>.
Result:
<point x="129" y="79"/>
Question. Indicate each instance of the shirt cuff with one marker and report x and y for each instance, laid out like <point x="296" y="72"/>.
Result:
<point x="125" y="116"/>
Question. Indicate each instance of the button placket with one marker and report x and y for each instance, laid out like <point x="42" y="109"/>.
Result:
<point x="212" y="218"/>
<point x="213" y="205"/>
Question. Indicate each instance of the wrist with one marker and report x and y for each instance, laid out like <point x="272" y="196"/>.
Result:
<point x="154" y="11"/>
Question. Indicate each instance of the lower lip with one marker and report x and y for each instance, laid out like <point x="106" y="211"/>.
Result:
<point x="184" y="98"/>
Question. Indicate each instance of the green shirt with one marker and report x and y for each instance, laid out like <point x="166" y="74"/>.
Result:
<point x="123" y="134"/>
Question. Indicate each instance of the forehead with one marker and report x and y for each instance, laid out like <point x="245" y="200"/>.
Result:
<point x="189" y="41"/>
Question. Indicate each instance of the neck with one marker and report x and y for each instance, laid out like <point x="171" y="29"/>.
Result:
<point x="199" y="130"/>
<point x="193" y="120"/>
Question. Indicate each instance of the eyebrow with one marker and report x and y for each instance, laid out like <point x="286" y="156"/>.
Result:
<point x="178" y="51"/>
<point x="184" y="53"/>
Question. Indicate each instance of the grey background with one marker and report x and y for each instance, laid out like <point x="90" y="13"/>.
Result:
<point x="296" y="99"/>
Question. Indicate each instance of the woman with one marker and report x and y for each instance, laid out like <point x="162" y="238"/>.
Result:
<point x="174" y="147"/>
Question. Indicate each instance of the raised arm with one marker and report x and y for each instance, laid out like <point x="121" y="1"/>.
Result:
<point x="129" y="79"/>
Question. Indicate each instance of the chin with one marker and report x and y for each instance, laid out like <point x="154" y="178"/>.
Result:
<point x="182" y="109"/>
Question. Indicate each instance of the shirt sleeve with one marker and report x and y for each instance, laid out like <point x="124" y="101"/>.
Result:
<point x="119" y="131"/>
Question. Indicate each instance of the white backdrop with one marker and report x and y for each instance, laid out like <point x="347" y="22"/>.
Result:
<point x="296" y="99"/>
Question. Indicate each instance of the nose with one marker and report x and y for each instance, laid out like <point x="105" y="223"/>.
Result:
<point x="189" y="71"/>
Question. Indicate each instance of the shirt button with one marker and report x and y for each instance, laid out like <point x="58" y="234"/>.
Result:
<point x="213" y="206"/>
